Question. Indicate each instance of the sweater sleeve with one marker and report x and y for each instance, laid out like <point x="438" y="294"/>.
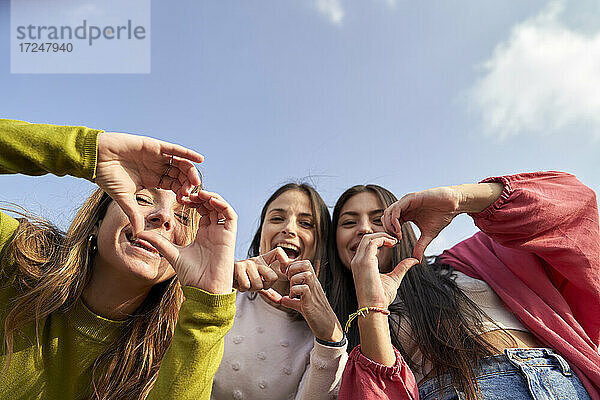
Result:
<point x="195" y="352"/>
<point x="38" y="149"/>
<point x="365" y="379"/>
<point x="324" y="373"/>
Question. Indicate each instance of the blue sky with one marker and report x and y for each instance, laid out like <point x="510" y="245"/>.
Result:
<point x="409" y="95"/>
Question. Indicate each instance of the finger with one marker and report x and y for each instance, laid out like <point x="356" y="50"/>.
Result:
<point x="131" y="208"/>
<point x="421" y="245"/>
<point x="298" y="267"/>
<point x="302" y="278"/>
<point x="271" y="294"/>
<point x="269" y="277"/>
<point x="402" y="268"/>
<point x="386" y="219"/>
<point x="299" y="291"/>
<point x="226" y="212"/>
<point x="180" y="151"/>
<point x="375" y="240"/>
<point x="255" y="279"/>
<point x="203" y="195"/>
<point x="162" y="244"/>
<point x="240" y="277"/>
<point x="294" y="304"/>
<point x="185" y="169"/>
<point x="397" y="228"/>
<point x="277" y="254"/>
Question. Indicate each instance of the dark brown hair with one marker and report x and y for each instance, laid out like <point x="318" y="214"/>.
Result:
<point x="442" y="320"/>
<point x="321" y="217"/>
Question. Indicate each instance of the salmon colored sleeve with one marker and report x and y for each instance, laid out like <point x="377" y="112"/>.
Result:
<point x="554" y="216"/>
<point x="365" y="379"/>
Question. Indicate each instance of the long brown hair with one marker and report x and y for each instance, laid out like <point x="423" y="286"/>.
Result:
<point x="442" y="320"/>
<point x="53" y="268"/>
<point x="322" y="221"/>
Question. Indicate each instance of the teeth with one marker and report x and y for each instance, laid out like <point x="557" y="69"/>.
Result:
<point x="288" y="246"/>
<point x="142" y="245"/>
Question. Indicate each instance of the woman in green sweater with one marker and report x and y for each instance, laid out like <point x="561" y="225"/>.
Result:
<point x="134" y="299"/>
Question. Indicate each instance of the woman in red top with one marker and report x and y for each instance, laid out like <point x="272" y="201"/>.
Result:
<point x="539" y="250"/>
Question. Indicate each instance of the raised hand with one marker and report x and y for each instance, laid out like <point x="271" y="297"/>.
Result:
<point x="127" y="163"/>
<point x="374" y="289"/>
<point x="260" y="272"/>
<point x="207" y="262"/>
<point x="431" y="210"/>
<point x="308" y="298"/>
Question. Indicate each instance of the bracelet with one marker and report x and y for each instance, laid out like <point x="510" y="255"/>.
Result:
<point x="362" y="312"/>
<point x="341" y="343"/>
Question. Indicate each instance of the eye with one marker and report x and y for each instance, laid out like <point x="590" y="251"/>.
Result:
<point x="348" y="223"/>
<point x="143" y="200"/>
<point x="306" y="224"/>
<point x="377" y="221"/>
<point x="183" y="218"/>
<point x="276" y="219"/>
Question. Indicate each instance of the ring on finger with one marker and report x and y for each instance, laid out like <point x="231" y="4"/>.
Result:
<point x="166" y="171"/>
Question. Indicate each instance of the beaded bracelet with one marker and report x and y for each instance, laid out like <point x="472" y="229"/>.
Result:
<point x="362" y="312"/>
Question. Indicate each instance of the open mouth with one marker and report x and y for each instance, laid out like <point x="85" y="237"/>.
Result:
<point x="142" y="244"/>
<point x="290" y="249"/>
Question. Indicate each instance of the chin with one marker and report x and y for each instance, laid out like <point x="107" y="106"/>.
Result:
<point x="151" y="274"/>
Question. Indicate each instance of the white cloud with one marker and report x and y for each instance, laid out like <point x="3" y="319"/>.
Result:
<point x="543" y="79"/>
<point x="332" y="9"/>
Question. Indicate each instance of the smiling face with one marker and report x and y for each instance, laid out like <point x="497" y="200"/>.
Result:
<point x="360" y="215"/>
<point x="289" y="223"/>
<point x="136" y="260"/>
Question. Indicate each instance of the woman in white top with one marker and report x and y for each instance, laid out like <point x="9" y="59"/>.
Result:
<point x="284" y="344"/>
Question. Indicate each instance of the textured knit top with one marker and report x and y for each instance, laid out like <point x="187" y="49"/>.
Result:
<point x="270" y="354"/>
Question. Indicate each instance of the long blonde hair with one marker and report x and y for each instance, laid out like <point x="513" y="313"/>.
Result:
<point x="52" y="271"/>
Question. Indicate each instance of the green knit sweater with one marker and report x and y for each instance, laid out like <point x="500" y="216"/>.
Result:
<point x="70" y="342"/>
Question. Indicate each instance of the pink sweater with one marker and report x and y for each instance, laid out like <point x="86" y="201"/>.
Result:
<point x="539" y="250"/>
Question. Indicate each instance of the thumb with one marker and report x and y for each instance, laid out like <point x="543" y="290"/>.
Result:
<point x="271" y="294"/>
<point x="402" y="268"/>
<point x="162" y="244"/>
<point x="130" y="208"/>
<point x="421" y="245"/>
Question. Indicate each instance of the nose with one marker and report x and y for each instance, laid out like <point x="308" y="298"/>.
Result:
<point x="160" y="217"/>
<point x="364" y="227"/>
<point x="289" y="228"/>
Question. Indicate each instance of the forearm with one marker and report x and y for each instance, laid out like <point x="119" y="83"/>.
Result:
<point x="324" y="372"/>
<point x="375" y="340"/>
<point x="476" y="197"/>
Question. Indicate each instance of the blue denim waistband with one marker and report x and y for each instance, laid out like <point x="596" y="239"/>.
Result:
<point x="511" y="361"/>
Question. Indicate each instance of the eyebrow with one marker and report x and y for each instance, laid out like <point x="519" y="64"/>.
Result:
<point x="283" y="210"/>
<point x="354" y="213"/>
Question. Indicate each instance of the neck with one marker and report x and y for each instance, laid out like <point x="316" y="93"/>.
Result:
<point x="111" y="296"/>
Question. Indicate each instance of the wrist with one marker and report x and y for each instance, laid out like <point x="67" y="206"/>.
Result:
<point x="333" y="343"/>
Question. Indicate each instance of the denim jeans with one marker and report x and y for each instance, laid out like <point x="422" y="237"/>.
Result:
<point x="539" y="374"/>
